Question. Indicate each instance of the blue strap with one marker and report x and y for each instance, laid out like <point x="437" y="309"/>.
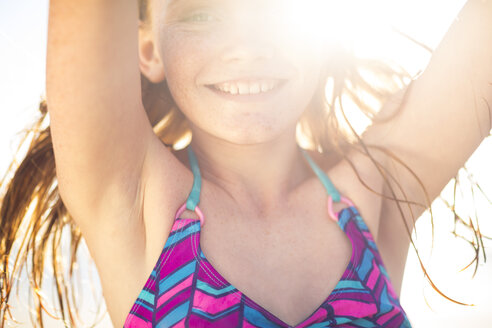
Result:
<point x="194" y="197"/>
<point x="330" y="188"/>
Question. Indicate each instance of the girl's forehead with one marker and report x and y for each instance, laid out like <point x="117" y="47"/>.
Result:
<point x="169" y="4"/>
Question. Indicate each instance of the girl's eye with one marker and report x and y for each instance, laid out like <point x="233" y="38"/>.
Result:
<point x="201" y="17"/>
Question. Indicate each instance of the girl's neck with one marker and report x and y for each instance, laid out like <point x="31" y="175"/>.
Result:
<point x="256" y="176"/>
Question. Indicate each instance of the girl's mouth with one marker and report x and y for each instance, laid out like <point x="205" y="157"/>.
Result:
<point x="252" y="87"/>
<point x="247" y="87"/>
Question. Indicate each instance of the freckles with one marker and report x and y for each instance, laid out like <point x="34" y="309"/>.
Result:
<point x="186" y="48"/>
<point x="257" y="121"/>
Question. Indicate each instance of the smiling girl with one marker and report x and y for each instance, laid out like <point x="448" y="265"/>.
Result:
<point x="198" y="151"/>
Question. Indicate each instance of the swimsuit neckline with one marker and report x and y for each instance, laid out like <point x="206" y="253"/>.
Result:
<point x="219" y="279"/>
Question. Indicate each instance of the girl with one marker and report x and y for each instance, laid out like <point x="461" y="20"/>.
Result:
<point x="207" y="173"/>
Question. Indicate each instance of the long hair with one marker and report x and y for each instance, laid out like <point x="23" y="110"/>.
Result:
<point x="33" y="216"/>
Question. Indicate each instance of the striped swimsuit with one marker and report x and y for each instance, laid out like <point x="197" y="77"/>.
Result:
<point x="184" y="289"/>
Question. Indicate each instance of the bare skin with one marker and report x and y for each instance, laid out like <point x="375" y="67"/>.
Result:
<point x="123" y="187"/>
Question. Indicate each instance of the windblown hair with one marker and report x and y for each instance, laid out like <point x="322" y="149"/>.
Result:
<point x="34" y="216"/>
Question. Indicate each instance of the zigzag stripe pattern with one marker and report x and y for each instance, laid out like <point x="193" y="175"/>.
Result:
<point x="185" y="290"/>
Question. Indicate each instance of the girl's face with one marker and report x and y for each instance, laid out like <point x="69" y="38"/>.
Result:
<point x="236" y="68"/>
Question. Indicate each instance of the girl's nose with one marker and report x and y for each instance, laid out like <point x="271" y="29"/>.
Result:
<point x="245" y="50"/>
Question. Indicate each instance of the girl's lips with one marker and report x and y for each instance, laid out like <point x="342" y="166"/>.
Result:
<point x="254" y="90"/>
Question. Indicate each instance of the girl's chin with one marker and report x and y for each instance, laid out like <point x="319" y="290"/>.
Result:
<point x="250" y="134"/>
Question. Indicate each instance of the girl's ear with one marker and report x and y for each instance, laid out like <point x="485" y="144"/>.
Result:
<point x="149" y="60"/>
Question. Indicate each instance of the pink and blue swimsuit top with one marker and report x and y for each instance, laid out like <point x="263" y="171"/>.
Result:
<point x="185" y="290"/>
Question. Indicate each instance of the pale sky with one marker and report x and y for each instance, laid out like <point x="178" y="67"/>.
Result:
<point x="23" y="27"/>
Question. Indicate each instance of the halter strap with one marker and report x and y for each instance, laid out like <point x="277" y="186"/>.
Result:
<point x="330" y="188"/>
<point x="194" y="197"/>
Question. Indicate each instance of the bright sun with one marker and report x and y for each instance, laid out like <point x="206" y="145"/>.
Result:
<point x="372" y="29"/>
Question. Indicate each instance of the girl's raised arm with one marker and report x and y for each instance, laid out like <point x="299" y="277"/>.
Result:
<point x="445" y="117"/>
<point x="99" y="127"/>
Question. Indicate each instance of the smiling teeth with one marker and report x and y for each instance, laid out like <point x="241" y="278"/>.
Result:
<point x="246" y="88"/>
